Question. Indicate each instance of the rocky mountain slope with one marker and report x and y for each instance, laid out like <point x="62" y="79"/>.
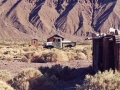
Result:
<point x="25" y="19"/>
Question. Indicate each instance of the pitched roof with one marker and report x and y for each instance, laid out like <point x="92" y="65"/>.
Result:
<point x="56" y="35"/>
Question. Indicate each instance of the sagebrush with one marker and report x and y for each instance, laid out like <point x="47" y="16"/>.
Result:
<point x="33" y="79"/>
<point x="108" y="80"/>
<point x="5" y="75"/>
<point x="5" y="86"/>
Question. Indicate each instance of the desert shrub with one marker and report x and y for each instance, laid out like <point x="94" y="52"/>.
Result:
<point x="24" y="59"/>
<point x="26" y="49"/>
<point x="108" y="80"/>
<point x="31" y="73"/>
<point x="62" y="56"/>
<point x="36" y="59"/>
<point x="8" y="57"/>
<point x="71" y="55"/>
<point x="80" y="56"/>
<point x="32" y="79"/>
<point x="44" y="82"/>
<point x="87" y="50"/>
<point x="29" y="55"/>
<point x="5" y="86"/>
<point x="32" y="48"/>
<point x="48" y="57"/>
<point x="21" y="81"/>
<point x="61" y="72"/>
<point x="29" y="48"/>
<point x="6" y="52"/>
<point x="5" y="75"/>
<point x="79" y="52"/>
<point x="32" y="57"/>
<point x="76" y="54"/>
<point x="85" y="42"/>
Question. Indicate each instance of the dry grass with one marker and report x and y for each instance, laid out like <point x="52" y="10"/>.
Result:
<point x="22" y="80"/>
<point x="33" y="79"/>
<point x="26" y="53"/>
<point x="108" y="80"/>
<point x="5" y="75"/>
<point x="45" y="82"/>
<point x="5" y="86"/>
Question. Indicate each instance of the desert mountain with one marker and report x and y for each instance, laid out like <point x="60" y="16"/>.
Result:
<point x="25" y="19"/>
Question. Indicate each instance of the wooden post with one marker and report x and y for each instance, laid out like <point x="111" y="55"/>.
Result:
<point x="105" y="53"/>
<point x="118" y="57"/>
<point x="117" y="52"/>
<point x="95" y="55"/>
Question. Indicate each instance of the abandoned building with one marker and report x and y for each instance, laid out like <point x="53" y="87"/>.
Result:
<point x="34" y="42"/>
<point x="106" y="52"/>
<point x="58" y="41"/>
<point x="50" y="39"/>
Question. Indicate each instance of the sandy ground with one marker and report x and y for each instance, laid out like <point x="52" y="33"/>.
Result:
<point x="82" y="67"/>
<point x="15" y="67"/>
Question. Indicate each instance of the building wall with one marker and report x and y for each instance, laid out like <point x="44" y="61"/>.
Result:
<point x="34" y="42"/>
<point x="52" y="38"/>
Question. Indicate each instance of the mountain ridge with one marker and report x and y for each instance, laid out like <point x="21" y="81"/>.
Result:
<point x="27" y="19"/>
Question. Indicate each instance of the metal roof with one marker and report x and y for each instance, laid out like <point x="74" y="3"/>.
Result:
<point x="57" y="36"/>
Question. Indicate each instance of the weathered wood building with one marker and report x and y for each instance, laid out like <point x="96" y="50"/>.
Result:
<point x="106" y="52"/>
<point x="34" y="42"/>
<point x="58" y="41"/>
<point x="50" y="39"/>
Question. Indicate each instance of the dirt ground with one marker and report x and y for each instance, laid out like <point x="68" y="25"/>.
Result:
<point x="82" y="67"/>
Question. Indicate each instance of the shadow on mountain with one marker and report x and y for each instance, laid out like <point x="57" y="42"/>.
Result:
<point x="15" y="5"/>
<point x="102" y="1"/>
<point x="34" y="18"/>
<point x="63" y="17"/>
<point x="103" y="17"/>
<point x="66" y="74"/>
<point x="81" y="19"/>
<point x="2" y="2"/>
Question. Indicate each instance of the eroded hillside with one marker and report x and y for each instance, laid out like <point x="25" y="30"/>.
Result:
<point x="24" y="19"/>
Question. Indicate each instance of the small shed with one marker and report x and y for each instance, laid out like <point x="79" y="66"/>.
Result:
<point x="50" y="39"/>
<point x="34" y="42"/>
<point x="106" y="52"/>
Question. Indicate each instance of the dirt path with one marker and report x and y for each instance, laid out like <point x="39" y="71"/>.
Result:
<point x="16" y="67"/>
<point x="80" y="69"/>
